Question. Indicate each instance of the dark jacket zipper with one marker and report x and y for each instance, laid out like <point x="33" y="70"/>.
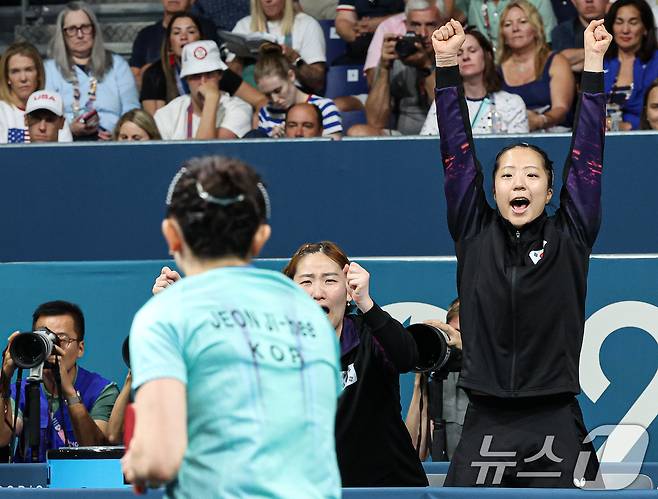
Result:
<point x="513" y="290"/>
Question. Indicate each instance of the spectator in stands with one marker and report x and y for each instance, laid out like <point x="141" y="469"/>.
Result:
<point x="319" y="9"/>
<point x="299" y="34"/>
<point x="276" y="79"/>
<point x="373" y="445"/>
<point x="44" y="116"/>
<point x="147" y="44"/>
<point x="223" y="13"/>
<point x="649" y="118"/>
<point x="396" y="25"/>
<point x="486" y="16"/>
<point x="356" y="22"/>
<point x="162" y="82"/>
<point x="631" y="62"/>
<point x="207" y="112"/>
<point x="136" y="125"/>
<point x="21" y="74"/>
<point x="491" y="109"/>
<point x="82" y="407"/>
<point x="542" y="78"/>
<point x="97" y="86"/>
<point x="567" y="37"/>
<point x="455" y="400"/>
<point x="404" y="83"/>
<point x="303" y="120"/>
<point x="219" y="412"/>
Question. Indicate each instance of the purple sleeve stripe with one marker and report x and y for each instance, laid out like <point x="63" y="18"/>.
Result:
<point x="583" y="181"/>
<point x="460" y="167"/>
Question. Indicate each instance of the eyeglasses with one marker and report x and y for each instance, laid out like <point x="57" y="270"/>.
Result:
<point x="85" y="29"/>
<point x="64" y="340"/>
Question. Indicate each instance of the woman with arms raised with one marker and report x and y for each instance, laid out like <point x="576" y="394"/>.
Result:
<point x="522" y="280"/>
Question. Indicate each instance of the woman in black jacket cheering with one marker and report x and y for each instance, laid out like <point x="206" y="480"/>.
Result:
<point x="372" y="443"/>
<point x="522" y="280"/>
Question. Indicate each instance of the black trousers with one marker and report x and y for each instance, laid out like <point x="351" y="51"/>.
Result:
<point x="530" y="442"/>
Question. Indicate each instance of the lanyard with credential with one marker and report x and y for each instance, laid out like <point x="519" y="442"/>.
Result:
<point x="91" y="94"/>
<point x="190" y="113"/>
<point x="477" y="115"/>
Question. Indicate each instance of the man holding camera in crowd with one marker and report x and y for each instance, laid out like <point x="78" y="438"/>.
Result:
<point x="403" y="85"/>
<point x="87" y="397"/>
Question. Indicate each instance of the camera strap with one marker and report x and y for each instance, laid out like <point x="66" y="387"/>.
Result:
<point x="60" y="398"/>
<point x="17" y="402"/>
<point x="424" y="390"/>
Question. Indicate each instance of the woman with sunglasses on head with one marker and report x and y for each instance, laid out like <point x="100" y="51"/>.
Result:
<point x="97" y="86"/>
<point x="522" y="279"/>
<point x="236" y="369"/>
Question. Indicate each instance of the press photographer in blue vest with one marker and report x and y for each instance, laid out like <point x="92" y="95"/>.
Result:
<point x="86" y="400"/>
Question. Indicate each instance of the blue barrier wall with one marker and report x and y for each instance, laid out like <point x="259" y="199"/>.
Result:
<point x="619" y="361"/>
<point x="375" y="197"/>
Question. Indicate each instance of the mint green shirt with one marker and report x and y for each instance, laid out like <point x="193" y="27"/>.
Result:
<point x="260" y="362"/>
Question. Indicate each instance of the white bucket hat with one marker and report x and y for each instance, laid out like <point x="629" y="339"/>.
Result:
<point x="45" y="99"/>
<point x="201" y="57"/>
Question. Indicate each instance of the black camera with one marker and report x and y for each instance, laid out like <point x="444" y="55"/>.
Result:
<point x="31" y="348"/>
<point x="406" y="45"/>
<point x="125" y="351"/>
<point x="434" y="353"/>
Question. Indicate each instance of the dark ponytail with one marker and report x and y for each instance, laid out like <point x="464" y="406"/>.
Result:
<point x="219" y="204"/>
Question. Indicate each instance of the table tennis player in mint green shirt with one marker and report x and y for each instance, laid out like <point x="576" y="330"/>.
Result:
<point x="236" y="368"/>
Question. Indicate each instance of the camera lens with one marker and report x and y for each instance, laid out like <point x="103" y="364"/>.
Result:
<point x="433" y="349"/>
<point x="28" y="350"/>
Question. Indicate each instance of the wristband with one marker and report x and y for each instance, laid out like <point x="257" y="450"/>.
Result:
<point x="73" y="400"/>
<point x="544" y="120"/>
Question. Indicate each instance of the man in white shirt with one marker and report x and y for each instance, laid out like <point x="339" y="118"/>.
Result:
<point x="44" y="116"/>
<point x="206" y="113"/>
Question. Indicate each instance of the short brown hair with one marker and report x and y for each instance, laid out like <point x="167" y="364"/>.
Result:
<point x="453" y="310"/>
<point x="331" y="250"/>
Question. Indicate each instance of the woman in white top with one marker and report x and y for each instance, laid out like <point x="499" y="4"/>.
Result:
<point x="299" y="34"/>
<point x="490" y="109"/>
<point x="21" y="74"/>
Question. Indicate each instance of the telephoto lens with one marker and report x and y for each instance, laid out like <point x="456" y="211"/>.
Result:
<point x="434" y="352"/>
<point x="31" y="348"/>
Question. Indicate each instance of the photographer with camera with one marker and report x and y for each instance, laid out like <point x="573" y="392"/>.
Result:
<point x="87" y="397"/>
<point x="421" y="417"/>
<point x="404" y="81"/>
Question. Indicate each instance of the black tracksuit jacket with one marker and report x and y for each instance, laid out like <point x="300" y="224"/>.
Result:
<point x="522" y="291"/>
